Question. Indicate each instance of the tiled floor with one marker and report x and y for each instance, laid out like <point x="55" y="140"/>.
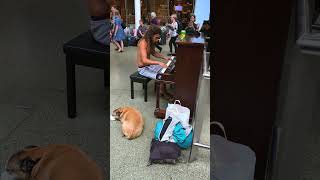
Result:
<point x="129" y="159"/>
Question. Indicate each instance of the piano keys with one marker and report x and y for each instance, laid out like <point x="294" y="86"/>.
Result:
<point x="170" y="64"/>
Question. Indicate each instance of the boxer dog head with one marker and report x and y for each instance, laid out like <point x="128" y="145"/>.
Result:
<point x="20" y="164"/>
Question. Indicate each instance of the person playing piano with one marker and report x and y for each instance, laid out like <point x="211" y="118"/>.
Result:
<point x="146" y="47"/>
<point x="100" y="25"/>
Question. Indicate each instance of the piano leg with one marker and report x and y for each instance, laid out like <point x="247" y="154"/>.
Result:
<point x="157" y="95"/>
<point x="132" y="90"/>
<point x="145" y="87"/>
<point x="158" y="113"/>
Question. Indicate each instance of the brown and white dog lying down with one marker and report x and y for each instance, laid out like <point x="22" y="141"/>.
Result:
<point x="131" y="120"/>
<point x="52" y="162"/>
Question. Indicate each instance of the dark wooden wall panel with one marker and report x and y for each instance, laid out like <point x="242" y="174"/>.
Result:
<point x="249" y="45"/>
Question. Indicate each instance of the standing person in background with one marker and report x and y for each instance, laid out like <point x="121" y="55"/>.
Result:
<point x="113" y="9"/>
<point x="100" y="24"/>
<point x="192" y="27"/>
<point x="155" y="21"/>
<point x="118" y="35"/>
<point x="112" y="22"/>
<point x="141" y="29"/>
<point x="173" y="33"/>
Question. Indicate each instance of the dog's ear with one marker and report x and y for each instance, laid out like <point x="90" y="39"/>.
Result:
<point x="27" y="164"/>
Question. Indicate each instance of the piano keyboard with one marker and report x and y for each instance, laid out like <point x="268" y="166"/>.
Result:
<point x="170" y="65"/>
<point x="164" y="69"/>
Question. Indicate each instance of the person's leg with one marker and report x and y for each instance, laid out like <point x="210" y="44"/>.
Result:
<point x="174" y="44"/>
<point x="113" y="42"/>
<point x="118" y="45"/>
<point x="152" y="71"/>
<point x="170" y="44"/>
<point x="122" y="46"/>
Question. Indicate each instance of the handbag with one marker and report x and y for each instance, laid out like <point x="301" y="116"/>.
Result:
<point x="228" y="156"/>
<point x="163" y="152"/>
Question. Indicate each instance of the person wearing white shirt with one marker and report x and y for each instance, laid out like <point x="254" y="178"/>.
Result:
<point x="173" y="33"/>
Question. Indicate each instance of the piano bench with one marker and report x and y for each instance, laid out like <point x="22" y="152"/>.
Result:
<point x="85" y="51"/>
<point x="136" y="77"/>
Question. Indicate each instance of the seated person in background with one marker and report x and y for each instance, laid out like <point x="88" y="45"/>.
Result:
<point x="146" y="47"/>
<point x="141" y="29"/>
<point x="100" y="25"/>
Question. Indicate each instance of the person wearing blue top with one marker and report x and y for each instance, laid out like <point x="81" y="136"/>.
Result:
<point x="118" y="35"/>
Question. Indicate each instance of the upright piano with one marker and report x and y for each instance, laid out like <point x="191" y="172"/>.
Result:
<point x="185" y="76"/>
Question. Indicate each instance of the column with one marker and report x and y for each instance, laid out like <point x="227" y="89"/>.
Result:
<point x="137" y="12"/>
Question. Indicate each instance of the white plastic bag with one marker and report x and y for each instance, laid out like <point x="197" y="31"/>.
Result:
<point x="179" y="113"/>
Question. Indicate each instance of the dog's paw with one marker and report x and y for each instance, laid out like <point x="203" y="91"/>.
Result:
<point x="112" y="118"/>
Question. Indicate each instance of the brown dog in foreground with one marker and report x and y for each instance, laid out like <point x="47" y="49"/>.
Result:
<point x="131" y="120"/>
<point x="52" y="162"/>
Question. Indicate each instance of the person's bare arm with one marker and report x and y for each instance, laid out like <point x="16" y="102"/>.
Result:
<point x="159" y="55"/>
<point x="144" y="58"/>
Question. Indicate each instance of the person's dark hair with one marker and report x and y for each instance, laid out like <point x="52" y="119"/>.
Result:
<point x="152" y="30"/>
<point x="193" y="16"/>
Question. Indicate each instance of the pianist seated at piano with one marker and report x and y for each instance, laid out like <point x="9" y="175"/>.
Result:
<point x="146" y="47"/>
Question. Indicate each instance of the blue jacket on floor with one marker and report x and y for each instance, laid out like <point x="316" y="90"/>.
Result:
<point x="179" y="135"/>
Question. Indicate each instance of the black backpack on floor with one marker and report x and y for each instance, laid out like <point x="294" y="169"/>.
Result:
<point x="164" y="152"/>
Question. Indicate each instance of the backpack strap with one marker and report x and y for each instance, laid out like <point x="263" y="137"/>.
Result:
<point x="220" y="125"/>
<point x="165" y="127"/>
